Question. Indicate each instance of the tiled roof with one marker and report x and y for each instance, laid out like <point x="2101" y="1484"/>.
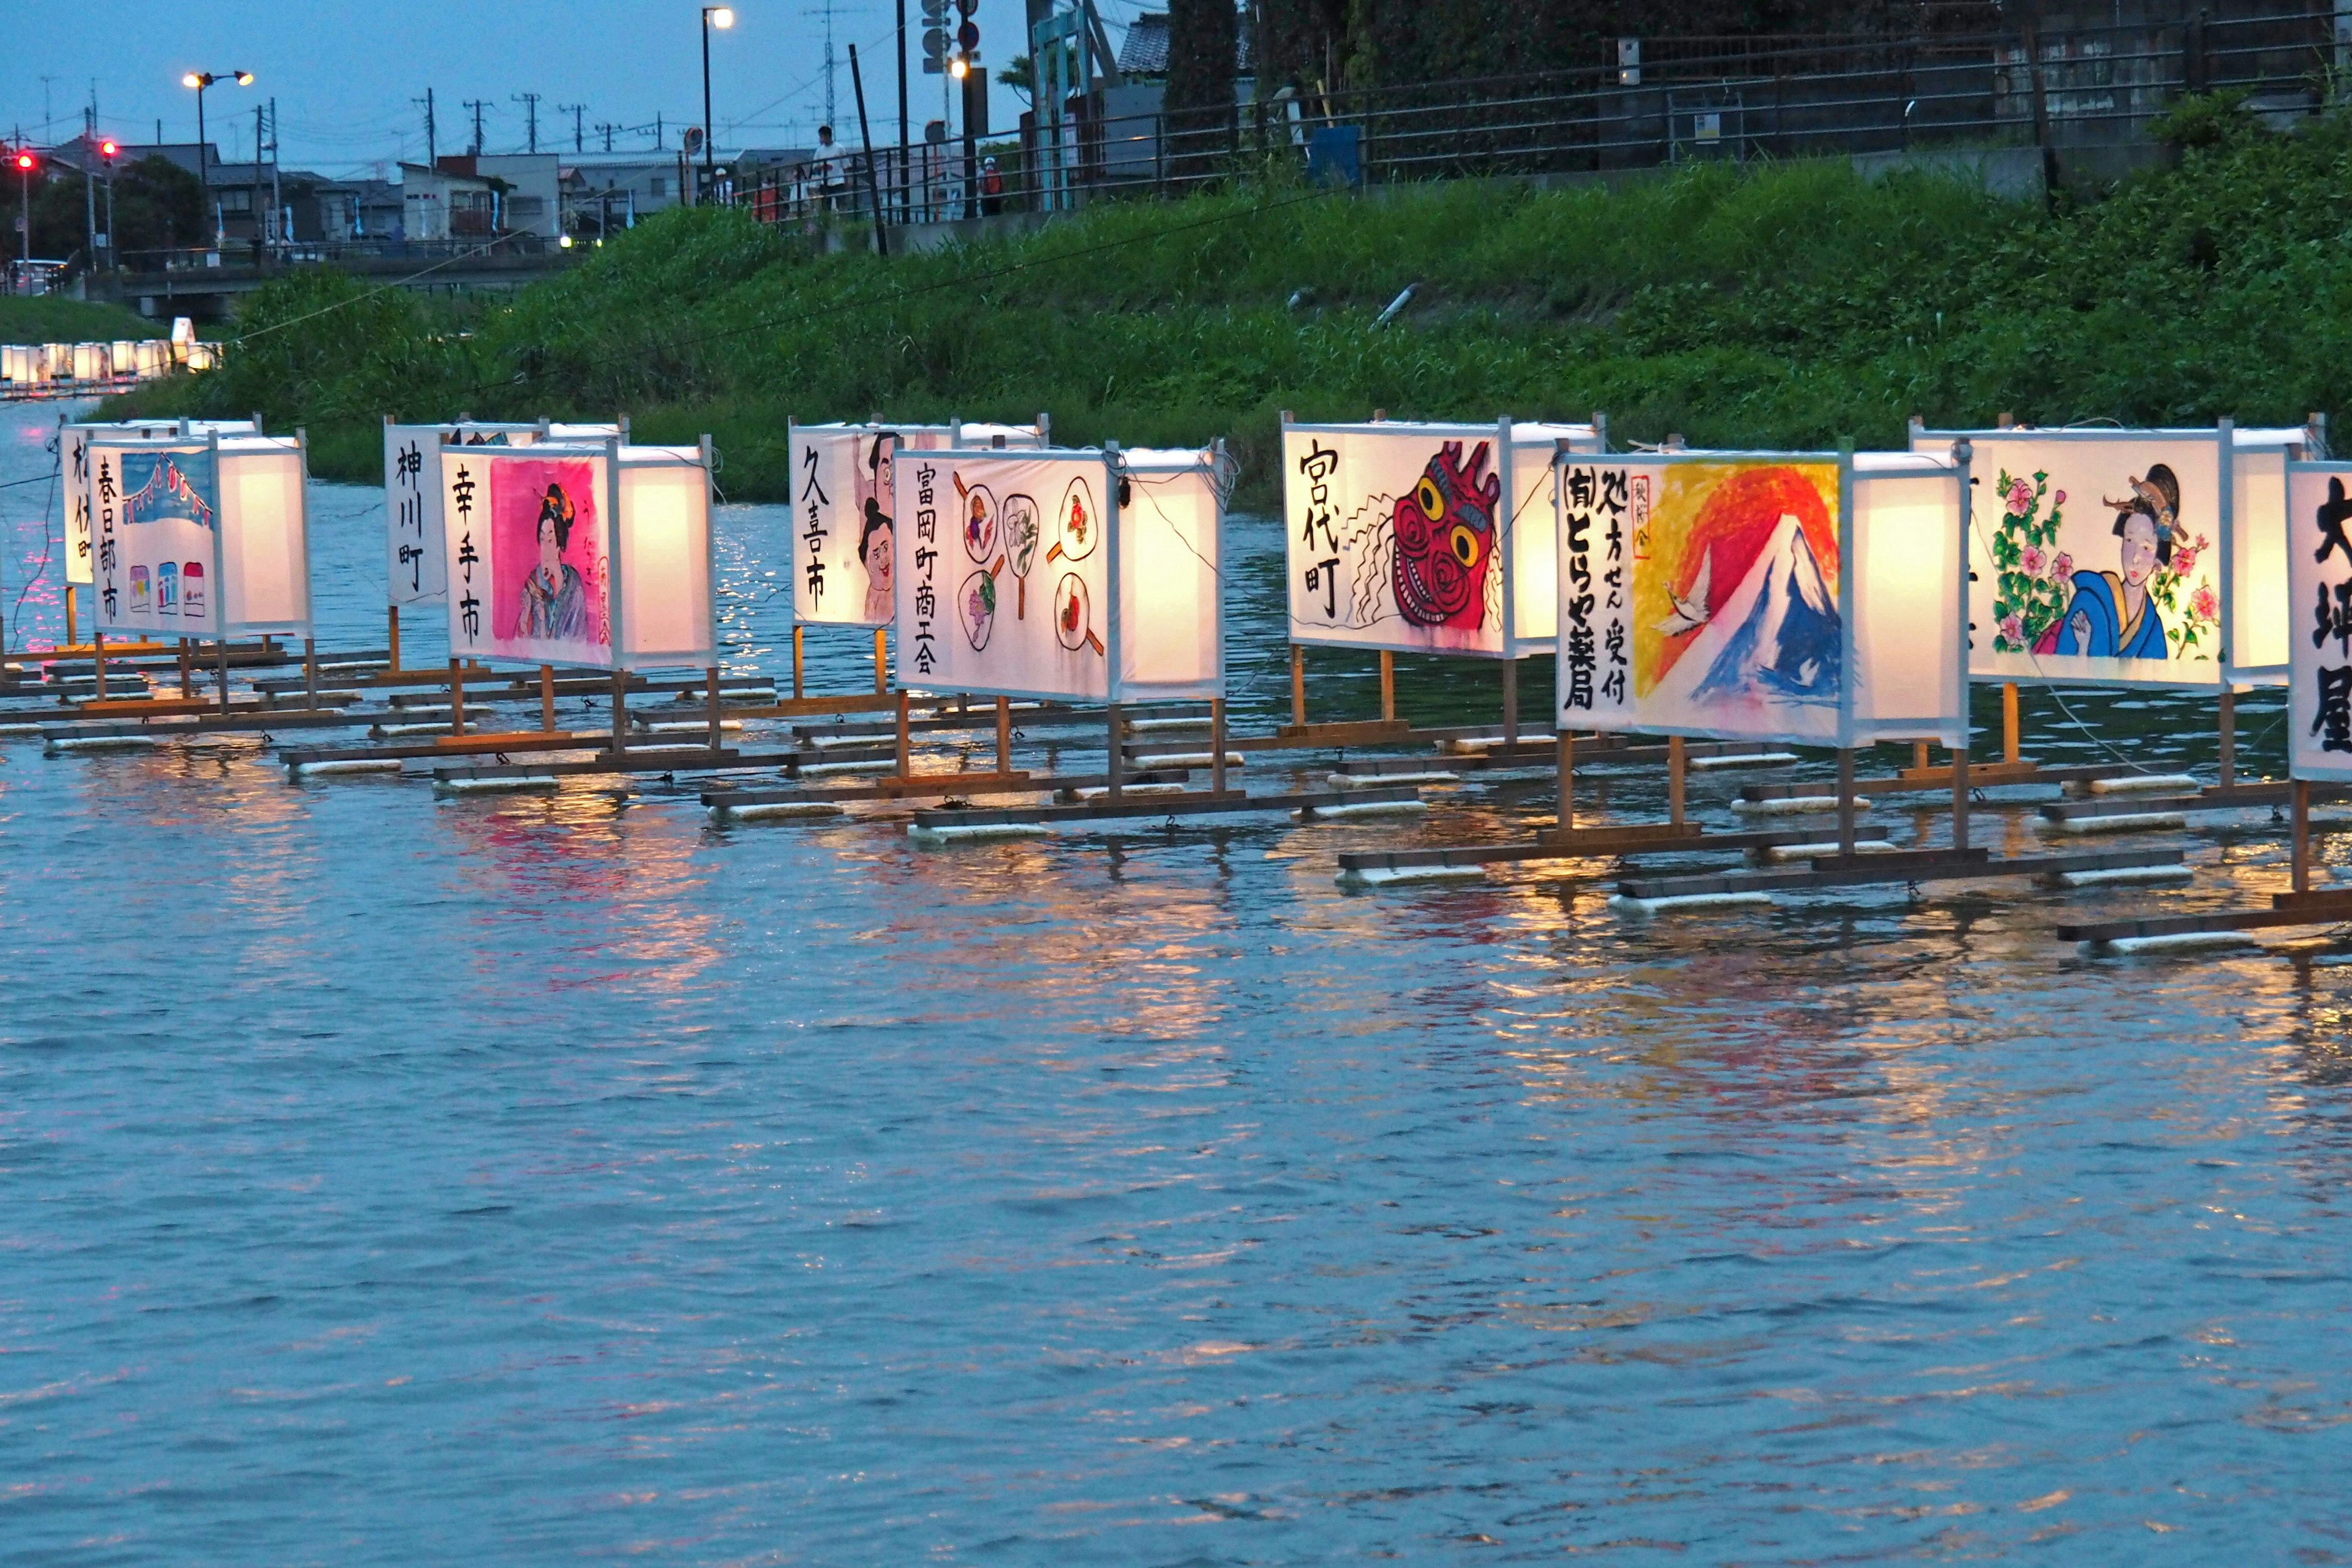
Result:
<point x="1144" y="50"/>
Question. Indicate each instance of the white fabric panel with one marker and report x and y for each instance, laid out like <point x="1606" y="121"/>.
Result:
<point x="666" y="612"/>
<point x="73" y="457"/>
<point x="1169" y="624"/>
<point x="264" y="568"/>
<point x="417" y="566"/>
<point x="835" y="471"/>
<point x="2319" y="567"/>
<point x="2258" y="584"/>
<point x="2025" y="591"/>
<point x="1005" y="588"/>
<point x="1369" y="566"/>
<point x="1905" y="653"/>
<point x="157" y="520"/>
<point x="493" y="498"/>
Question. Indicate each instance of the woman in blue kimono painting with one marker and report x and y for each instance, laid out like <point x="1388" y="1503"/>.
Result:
<point x="554" y="599"/>
<point x="2111" y="615"/>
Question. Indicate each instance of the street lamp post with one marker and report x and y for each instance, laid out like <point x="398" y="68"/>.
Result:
<point x="23" y="159"/>
<point x="722" y="17"/>
<point x="201" y="81"/>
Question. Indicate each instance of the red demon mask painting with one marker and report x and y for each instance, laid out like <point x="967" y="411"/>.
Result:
<point x="1444" y="530"/>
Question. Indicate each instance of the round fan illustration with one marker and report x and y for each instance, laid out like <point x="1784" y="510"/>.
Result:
<point x="1077" y="527"/>
<point x="1074" y="615"/>
<point x="976" y="606"/>
<point x="1022" y="525"/>
<point x="979" y="519"/>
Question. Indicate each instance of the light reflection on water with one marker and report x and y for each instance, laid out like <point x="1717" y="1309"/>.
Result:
<point x="555" y="1178"/>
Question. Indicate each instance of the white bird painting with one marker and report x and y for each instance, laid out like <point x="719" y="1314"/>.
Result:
<point x="1690" y="612"/>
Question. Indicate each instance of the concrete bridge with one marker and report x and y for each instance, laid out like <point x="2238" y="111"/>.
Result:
<point x="205" y="293"/>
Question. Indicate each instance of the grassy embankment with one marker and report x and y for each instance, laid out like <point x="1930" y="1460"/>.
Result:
<point x="1780" y="305"/>
<point x="52" y="321"/>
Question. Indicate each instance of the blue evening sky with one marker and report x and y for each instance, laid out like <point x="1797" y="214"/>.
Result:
<point x="343" y="73"/>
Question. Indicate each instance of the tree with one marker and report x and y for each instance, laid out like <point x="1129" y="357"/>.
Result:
<point x="1203" y="43"/>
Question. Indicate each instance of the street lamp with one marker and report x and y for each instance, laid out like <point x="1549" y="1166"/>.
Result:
<point x="109" y="151"/>
<point x="201" y="81"/>
<point x="722" y="17"/>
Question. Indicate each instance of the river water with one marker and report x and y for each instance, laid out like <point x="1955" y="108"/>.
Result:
<point x="555" y="1179"/>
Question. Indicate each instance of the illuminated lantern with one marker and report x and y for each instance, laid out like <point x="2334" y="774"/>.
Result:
<point x="1084" y="576"/>
<point x="2112" y="557"/>
<point x="2318" y="551"/>
<point x="849" y="524"/>
<point x="1425" y="538"/>
<point x="217" y="523"/>
<point x="80" y="478"/>
<point x="579" y="553"/>
<point x="415" y="570"/>
<point x="1810" y="598"/>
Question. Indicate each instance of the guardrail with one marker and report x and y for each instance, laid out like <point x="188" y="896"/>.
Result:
<point x="2082" y="97"/>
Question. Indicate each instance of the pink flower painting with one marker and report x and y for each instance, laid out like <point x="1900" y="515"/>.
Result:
<point x="2035" y="562"/>
<point x="2063" y="569"/>
<point x="2202" y="605"/>
<point x="2012" y="629"/>
<point x="2021" y="498"/>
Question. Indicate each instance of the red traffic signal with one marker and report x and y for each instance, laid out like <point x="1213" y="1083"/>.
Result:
<point x="106" y="148"/>
<point x="22" y="163"/>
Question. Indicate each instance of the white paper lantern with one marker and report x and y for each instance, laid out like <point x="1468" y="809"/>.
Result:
<point x="80" y="478"/>
<point x="205" y="537"/>
<point x="2061" y="596"/>
<point x="123" y="357"/>
<point x="1811" y="598"/>
<point x="416" y="571"/>
<point x="1425" y="538"/>
<point x="1026" y="575"/>
<point x="848" y="536"/>
<point x="585" y="556"/>
<point x="2318" y="549"/>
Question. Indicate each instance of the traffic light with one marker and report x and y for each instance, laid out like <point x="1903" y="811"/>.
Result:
<point x="22" y="160"/>
<point x="936" y="47"/>
<point x="108" y="150"/>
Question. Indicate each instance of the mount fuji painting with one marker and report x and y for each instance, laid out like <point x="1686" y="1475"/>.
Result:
<point x="1736" y="627"/>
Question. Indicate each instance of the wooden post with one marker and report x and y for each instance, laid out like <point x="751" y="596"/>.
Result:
<point x="97" y="649"/>
<point x="905" y="749"/>
<point x="1217" y="745"/>
<point x="223" y="646"/>
<point x="881" y="661"/>
<point x="1511" y="706"/>
<point x="1387" y="686"/>
<point x="2229" y="738"/>
<point x="2012" y="750"/>
<point x="1003" y="735"/>
<point x="547" y="697"/>
<point x="1920" y="756"/>
<point x="1677" y="775"/>
<point x="1567" y="766"/>
<point x="457" y="697"/>
<point x="392" y="616"/>
<point x="187" y="670"/>
<point x="1960" y="798"/>
<point x="710" y="691"/>
<point x="1118" y="726"/>
<point x="796" y="663"/>
<point x="1298" y="685"/>
<point x="2302" y="836"/>
<point x="311" y="672"/>
<point x="1846" y="801"/>
<point x="620" y="714"/>
<point x="69" y="615"/>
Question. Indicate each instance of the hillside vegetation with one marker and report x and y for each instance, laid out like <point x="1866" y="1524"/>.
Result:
<point x="1785" y="305"/>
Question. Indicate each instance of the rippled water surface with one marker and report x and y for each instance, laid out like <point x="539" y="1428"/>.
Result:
<point x="386" y="1180"/>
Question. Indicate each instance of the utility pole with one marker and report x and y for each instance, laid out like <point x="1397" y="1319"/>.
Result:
<point x="579" y="132"/>
<point x="605" y="129"/>
<point x="277" y="195"/>
<point x="477" y="105"/>
<point x="530" y="101"/>
<point x="88" y="185"/>
<point x="432" y="149"/>
<point x="260" y="231"/>
<point x="825" y="11"/>
<point x="906" y="172"/>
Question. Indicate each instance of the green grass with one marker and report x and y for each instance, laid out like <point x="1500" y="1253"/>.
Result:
<point x="1784" y="305"/>
<point x="44" y="320"/>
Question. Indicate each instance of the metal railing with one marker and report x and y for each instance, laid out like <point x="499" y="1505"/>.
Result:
<point x="2081" y="96"/>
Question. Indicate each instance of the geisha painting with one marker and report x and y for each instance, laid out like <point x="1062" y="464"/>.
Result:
<point x="548" y="575"/>
<point x="2095" y="556"/>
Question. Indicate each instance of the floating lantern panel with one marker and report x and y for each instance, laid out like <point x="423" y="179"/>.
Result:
<point x="665" y="559"/>
<point x="1425" y="538"/>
